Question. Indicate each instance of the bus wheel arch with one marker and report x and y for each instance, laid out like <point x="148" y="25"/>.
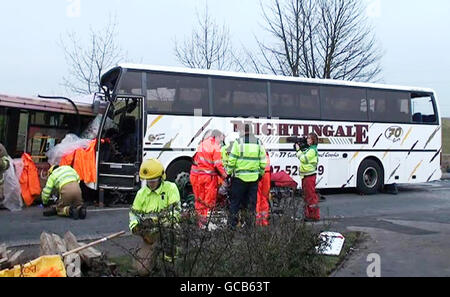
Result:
<point x="177" y="166"/>
<point x="370" y="176"/>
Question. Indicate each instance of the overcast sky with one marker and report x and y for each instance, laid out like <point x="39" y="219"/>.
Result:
<point x="414" y="35"/>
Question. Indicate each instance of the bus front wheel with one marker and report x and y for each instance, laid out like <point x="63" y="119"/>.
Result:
<point x="176" y="168"/>
<point x="370" y="177"/>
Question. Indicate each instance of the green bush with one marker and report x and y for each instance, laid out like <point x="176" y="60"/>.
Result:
<point x="286" y="248"/>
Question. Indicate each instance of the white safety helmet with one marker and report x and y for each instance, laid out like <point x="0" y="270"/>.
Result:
<point x="231" y="137"/>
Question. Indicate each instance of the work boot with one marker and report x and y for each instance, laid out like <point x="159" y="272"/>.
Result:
<point x="74" y="213"/>
<point x="50" y="212"/>
<point x="82" y="212"/>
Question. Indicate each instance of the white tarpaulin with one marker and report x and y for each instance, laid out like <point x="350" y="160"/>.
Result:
<point x="69" y="144"/>
<point x="11" y="189"/>
<point x="331" y="243"/>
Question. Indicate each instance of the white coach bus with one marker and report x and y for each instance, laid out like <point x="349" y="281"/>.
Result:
<point x="370" y="135"/>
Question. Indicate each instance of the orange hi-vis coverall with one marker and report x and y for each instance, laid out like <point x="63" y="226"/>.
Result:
<point x="262" y="202"/>
<point x="206" y="171"/>
<point x="30" y="184"/>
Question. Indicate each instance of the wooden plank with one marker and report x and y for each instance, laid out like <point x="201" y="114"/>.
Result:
<point x="72" y="263"/>
<point x="3" y="250"/>
<point x="3" y="263"/>
<point x="14" y="259"/>
<point x="88" y="256"/>
<point x="59" y="244"/>
<point x="48" y="245"/>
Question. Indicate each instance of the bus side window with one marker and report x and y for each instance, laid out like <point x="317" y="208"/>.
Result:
<point x="233" y="97"/>
<point x="389" y="106"/>
<point x="167" y="93"/>
<point x="340" y="103"/>
<point x="422" y="109"/>
<point x="295" y="101"/>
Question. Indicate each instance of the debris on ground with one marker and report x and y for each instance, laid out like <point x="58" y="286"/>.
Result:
<point x="60" y="257"/>
<point x="7" y="258"/>
<point x="331" y="243"/>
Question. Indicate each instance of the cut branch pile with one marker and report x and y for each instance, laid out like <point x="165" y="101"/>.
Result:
<point x="52" y="244"/>
<point x="7" y="258"/>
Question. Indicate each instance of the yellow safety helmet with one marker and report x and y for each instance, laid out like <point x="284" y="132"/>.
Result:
<point x="151" y="169"/>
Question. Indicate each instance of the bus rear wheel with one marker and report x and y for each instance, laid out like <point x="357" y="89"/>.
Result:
<point x="370" y="177"/>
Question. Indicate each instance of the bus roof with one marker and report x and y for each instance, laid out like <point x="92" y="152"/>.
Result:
<point x="272" y="77"/>
<point x="49" y="105"/>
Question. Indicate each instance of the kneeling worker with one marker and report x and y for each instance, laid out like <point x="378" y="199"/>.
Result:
<point x="156" y="208"/>
<point x="65" y="180"/>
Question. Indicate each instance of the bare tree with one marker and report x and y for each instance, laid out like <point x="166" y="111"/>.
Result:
<point x="86" y="63"/>
<point x="209" y="46"/>
<point x="318" y="39"/>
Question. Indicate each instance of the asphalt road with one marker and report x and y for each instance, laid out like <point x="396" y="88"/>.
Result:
<point x="409" y="231"/>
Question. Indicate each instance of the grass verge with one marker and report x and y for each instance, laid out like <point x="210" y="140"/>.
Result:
<point x="352" y="240"/>
<point x="331" y="263"/>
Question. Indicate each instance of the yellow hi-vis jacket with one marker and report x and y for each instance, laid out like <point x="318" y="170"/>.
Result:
<point x="308" y="161"/>
<point x="161" y="203"/>
<point x="247" y="160"/>
<point x="60" y="177"/>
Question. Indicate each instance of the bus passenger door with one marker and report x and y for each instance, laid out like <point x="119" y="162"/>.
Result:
<point x="120" y="149"/>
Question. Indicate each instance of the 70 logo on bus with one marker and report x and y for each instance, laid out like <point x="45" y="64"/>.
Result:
<point x="394" y="133"/>
<point x="294" y="170"/>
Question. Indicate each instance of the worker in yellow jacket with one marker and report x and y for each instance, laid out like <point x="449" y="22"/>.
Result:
<point x="64" y="180"/>
<point x="156" y="208"/>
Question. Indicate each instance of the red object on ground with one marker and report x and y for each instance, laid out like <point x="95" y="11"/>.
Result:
<point x="282" y="179"/>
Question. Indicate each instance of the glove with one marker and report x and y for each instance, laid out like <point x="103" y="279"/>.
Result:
<point x="296" y="147"/>
<point x="223" y="190"/>
<point x="148" y="238"/>
<point x="136" y="230"/>
<point x="304" y="148"/>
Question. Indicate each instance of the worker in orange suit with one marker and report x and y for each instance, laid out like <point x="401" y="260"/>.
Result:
<point x="206" y="173"/>
<point x="262" y="202"/>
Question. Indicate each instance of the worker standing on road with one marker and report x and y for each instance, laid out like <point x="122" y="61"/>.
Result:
<point x="247" y="163"/>
<point x="262" y="203"/>
<point x="156" y="208"/>
<point x="4" y="165"/>
<point x="206" y="172"/>
<point x="65" y="181"/>
<point x="309" y="158"/>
